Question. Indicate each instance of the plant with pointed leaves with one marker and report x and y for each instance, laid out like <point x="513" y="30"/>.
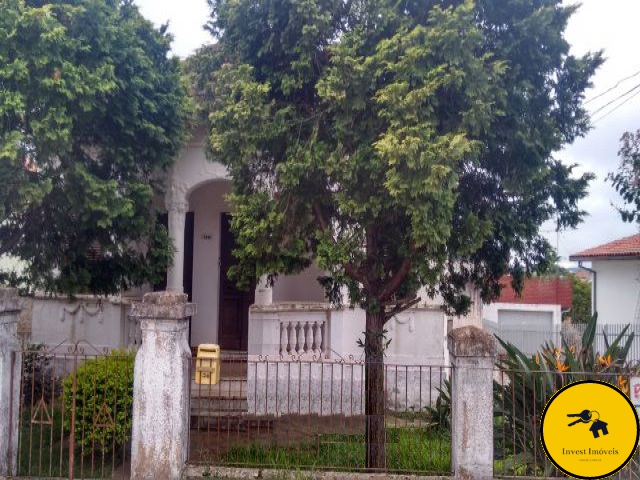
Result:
<point x="527" y="383"/>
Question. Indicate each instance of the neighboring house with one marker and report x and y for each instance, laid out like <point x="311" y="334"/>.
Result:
<point x="540" y="304"/>
<point x="615" y="279"/>
<point x="292" y="317"/>
<point x="533" y="317"/>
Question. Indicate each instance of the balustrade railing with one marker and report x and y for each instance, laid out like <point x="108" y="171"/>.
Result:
<point x="300" y="337"/>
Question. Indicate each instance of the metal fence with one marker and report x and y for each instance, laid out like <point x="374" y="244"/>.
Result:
<point x="75" y="412"/>
<point x="531" y="338"/>
<point x="293" y="413"/>
<point x="284" y="413"/>
<point x="519" y="400"/>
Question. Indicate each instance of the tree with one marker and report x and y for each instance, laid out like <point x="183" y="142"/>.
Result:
<point x="581" y="305"/>
<point x="399" y="145"/>
<point x="91" y="107"/>
<point x="626" y="180"/>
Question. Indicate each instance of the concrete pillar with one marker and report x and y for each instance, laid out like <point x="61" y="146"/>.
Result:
<point x="160" y="436"/>
<point x="473" y="355"/>
<point x="10" y="367"/>
<point x="264" y="331"/>
<point x="264" y="292"/>
<point x="177" y="208"/>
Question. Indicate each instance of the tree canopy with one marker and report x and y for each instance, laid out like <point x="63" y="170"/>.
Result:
<point x="581" y="306"/>
<point x="626" y="180"/>
<point x="398" y="145"/>
<point x="91" y="106"/>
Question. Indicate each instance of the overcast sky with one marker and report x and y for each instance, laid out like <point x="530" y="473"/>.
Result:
<point x="609" y="25"/>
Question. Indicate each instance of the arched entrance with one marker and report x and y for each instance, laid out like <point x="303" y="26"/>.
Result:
<point x="198" y="221"/>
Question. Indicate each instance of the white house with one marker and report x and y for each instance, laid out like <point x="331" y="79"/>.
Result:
<point x="290" y="318"/>
<point x="615" y="275"/>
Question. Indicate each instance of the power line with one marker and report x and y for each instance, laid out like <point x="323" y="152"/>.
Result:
<point x="617" y="107"/>
<point x="620" y="82"/>
<point x="631" y="90"/>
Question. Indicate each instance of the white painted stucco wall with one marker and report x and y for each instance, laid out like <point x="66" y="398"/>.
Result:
<point x="303" y="287"/>
<point x="192" y="168"/>
<point x="207" y="203"/>
<point x="617" y="290"/>
<point x="102" y="323"/>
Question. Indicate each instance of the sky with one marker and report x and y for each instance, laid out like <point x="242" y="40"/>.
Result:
<point x="608" y="25"/>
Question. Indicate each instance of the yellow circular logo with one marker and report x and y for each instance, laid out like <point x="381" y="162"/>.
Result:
<point x="589" y="429"/>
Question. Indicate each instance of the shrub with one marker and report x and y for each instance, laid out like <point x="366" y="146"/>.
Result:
<point x="528" y="382"/>
<point x="103" y="401"/>
<point x="38" y="380"/>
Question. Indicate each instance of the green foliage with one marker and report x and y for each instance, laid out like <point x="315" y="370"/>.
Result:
<point x="91" y="106"/>
<point x="103" y="401"/>
<point x="626" y="180"/>
<point x="440" y="413"/>
<point x="527" y="383"/>
<point x="581" y="307"/>
<point x="38" y="380"/>
<point x="415" y="449"/>
<point x="396" y="145"/>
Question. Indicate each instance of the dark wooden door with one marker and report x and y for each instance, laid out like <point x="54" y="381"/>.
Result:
<point x="234" y="303"/>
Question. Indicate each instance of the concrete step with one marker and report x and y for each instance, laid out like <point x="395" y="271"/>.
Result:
<point x="225" y="388"/>
<point x="209" y="406"/>
<point x="230" y="423"/>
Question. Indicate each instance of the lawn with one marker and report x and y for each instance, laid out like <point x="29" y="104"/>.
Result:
<point x="323" y="443"/>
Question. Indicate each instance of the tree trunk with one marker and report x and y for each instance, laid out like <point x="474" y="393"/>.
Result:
<point x="374" y="391"/>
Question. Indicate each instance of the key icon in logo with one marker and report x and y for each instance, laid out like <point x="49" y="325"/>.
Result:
<point x="588" y="416"/>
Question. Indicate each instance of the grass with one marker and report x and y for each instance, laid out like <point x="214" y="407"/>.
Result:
<point x="421" y="449"/>
<point x="44" y="449"/>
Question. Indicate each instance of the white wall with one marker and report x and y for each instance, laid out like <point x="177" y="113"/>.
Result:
<point x="617" y="290"/>
<point x="208" y="203"/>
<point x="192" y="168"/>
<point x="99" y="322"/>
<point x="303" y="287"/>
<point x="418" y="336"/>
<point x="415" y="361"/>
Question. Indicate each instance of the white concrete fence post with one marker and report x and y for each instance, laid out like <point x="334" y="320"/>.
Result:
<point x="160" y="436"/>
<point x="473" y="355"/>
<point x="10" y="367"/>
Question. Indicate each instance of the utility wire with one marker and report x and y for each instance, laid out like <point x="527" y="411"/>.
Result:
<point x="631" y="90"/>
<point x="616" y="107"/>
<point x="620" y="82"/>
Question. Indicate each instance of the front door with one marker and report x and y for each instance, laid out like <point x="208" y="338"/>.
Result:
<point x="233" y="325"/>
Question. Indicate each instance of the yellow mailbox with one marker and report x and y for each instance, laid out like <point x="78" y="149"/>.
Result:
<point x="208" y="364"/>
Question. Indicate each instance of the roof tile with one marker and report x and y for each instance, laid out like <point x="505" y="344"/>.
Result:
<point x="623" y="247"/>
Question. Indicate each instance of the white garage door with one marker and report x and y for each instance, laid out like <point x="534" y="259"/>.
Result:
<point x="527" y="320"/>
<point x="526" y="330"/>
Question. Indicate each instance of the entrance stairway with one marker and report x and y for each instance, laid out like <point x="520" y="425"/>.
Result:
<point x="225" y="402"/>
<point x="227" y="398"/>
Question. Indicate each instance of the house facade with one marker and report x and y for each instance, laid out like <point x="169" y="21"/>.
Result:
<point x="615" y="279"/>
<point x="289" y="319"/>
<point x="292" y="316"/>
